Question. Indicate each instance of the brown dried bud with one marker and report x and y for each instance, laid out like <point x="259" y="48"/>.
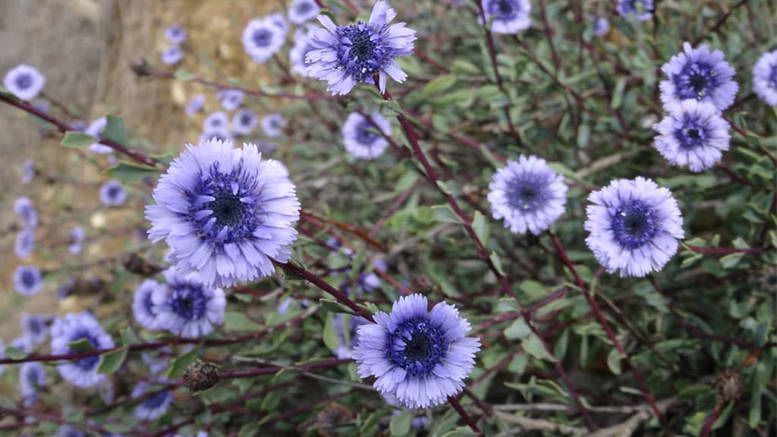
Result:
<point x="331" y="418"/>
<point x="201" y="375"/>
<point x="138" y="265"/>
<point x="728" y="385"/>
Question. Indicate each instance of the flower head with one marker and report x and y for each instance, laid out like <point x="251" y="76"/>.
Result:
<point x="27" y="280"/>
<point x="634" y="226"/>
<point x="280" y="22"/>
<point x="419" y="356"/>
<point x="75" y="327"/>
<point x="31" y="376"/>
<point x="24" y="81"/>
<point x="25" y="243"/>
<point x="26" y="212"/>
<point x="225" y="212"/>
<point x="221" y="134"/>
<point x="301" y="11"/>
<point x="144" y="309"/>
<point x="263" y="37"/>
<point x="507" y="16"/>
<point x="765" y="78"/>
<point x="600" y="26"/>
<point x="273" y="124"/>
<point x="345" y="56"/>
<point x="302" y="45"/>
<point x="528" y="195"/>
<point x="76" y="239"/>
<point x="693" y="135"/>
<point x="175" y="34"/>
<point x="112" y="193"/>
<point x="96" y="129"/>
<point x="28" y="171"/>
<point x="362" y="139"/>
<point x="244" y="122"/>
<point x="700" y="75"/>
<point x="35" y="328"/>
<point x="642" y="9"/>
<point x="215" y="121"/>
<point x="230" y="99"/>
<point x="152" y="406"/>
<point x="188" y="307"/>
<point x="172" y="55"/>
<point x="195" y="104"/>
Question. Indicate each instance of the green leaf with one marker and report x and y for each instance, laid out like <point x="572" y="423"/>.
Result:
<point x="400" y="424"/>
<point x="129" y="337"/>
<point x="81" y="345"/>
<point x="461" y="431"/>
<point x="112" y="361"/>
<point x="617" y="94"/>
<point x="444" y="213"/>
<point x="128" y="172"/>
<point x="614" y="361"/>
<point x="480" y="226"/>
<point x="497" y="263"/>
<point x="234" y="321"/>
<point x="439" y="84"/>
<point x="334" y="306"/>
<point x="517" y="329"/>
<point x="534" y="347"/>
<point x="180" y="363"/>
<point x="14" y="353"/>
<point x="77" y="140"/>
<point x="331" y="339"/>
<point x="115" y="129"/>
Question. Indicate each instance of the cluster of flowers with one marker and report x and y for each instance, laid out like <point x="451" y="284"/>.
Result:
<point x="176" y="35"/>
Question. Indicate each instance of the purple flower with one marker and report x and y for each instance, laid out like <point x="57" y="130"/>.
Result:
<point x="230" y="99"/>
<point x="280" y="22"/>
<point x="362" y="139"/>
<point x="175" y="34"/>
<point x="215" y="121"/>
<point x="642" y="9"/>
<point x="26" y="212"/>
<point x="96" y="129"/>
<point x="195" y="104"/>
<point x="74" y="327"/>
<point x="273" y="124"/>
<point x="154" y="406"/>
<point x="76" y="240"/>
<point x="172" y="55"/>
<point x="302" y="11"/>
<point x="144" y="309"/>
<point x="700" y="75"/>
<point x="345" y="56"/>
<point x="507" y="16"/>
<point x="263" y="37"/>
<point x="244" y="122"/>
<point x="225" y="212"/>
<point x="35" y="328"/>
<point x="28" y="171"/>
<point x="188" y="308"/>
<point x="528" y="195"/>
<point x="220" y="134"/>
<point x="765" y="78"/>
<point x="25" y="243"/>
<point x="112" y="194"/>
<point x="634" y="226"/>
<point x="693" y="135"/>
<point x="600" y="26"/>
<point x="31" y="376"/>
<point x="24" y="82"/>
<point x="302" y="45"/>
<point x="419" y="356"/>
<point x="27" y="280"/>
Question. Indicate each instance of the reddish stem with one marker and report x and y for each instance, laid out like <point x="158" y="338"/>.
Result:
<point x="468" y="420"/>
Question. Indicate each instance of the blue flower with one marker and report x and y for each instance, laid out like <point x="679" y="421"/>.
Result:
<point x="215" y="121"/>
<point x="693" y="135"/>
<point x="263" y="37"/>
<point x="35" y="328"/>
<point x="188" y="308"/>
<point x="31" y="376"/>
<point x="96" y="129"/>
<point x="24" y="81"/>
<point x="172" y="55"/>
<point x="230" y="99"/>
<point x="76" y="239"/>
<point x="302" y="45"/>
<point x="25" y="243"/>
<point x="419" y="356"/>
<point x="144" y="309"/>
<point x="362" y="139"/>
<point x="175" y="34"/>
<point x="26" y="211"/>
<point x="301" y="11"/>
<point x="642" y="9"/>
<point x="225" y="212"/>
<point x="244" y="122"/>
<point x="28" y="171"/>
<point x="273" y="124"/>
<point x="220" y="134"/>
<point x="195" y="104"/>
<point x="634" y="226"/>
<point x="507" y="16"/>
<point x="765" y="78"/>
<point x="600" y="26"/>
<point x="27" y="280"/>
<point x="280" y="22"/>
<point x="112" y="193"/>
<point x="528" y="195"/>
<point x="345" y="56"/>
<point x="700" y="75"/>
<point x="151" y="408"/>
<point x="75" y="327"/>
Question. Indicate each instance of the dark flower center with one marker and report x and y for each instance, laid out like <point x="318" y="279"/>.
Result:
<point x="87" y="363"/>
<point x="504" y="9"/>
<point x="245" y="119"/>
<point x="227" y="208"/>
<point x="634" y="224"/>
<point x="696" y="81"/>
<point x="23" y="81"/>
<point x="525" y="195"/>
<point x="34" y="325"/>
<point x="693" y="133"/>
<point x="773" y="76"/>
<point x="32" y="376"/>
<point x="188" y="300"/>
<point x="148" y="304"/>
<point x="28" y="278"/>
<point x="304" y="8"/>
<point x="361" y="52"/>
<point x="417" y="347"/>
<point x="156" y="400"/>
<point x="113" y="191"/>
<point x="262" y="37"/>
<point x="366" y="133"/>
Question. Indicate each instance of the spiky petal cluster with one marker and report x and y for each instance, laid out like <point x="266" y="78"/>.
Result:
<point x="642" y="9"/>
<point x="693" y="135"/>
<point x="35" y="328"/>
<point x="363" y="138"/>
<point x="112" y="193"/>
<point x="302" y="45"/>
<point x="25" y="243"/>
<point x="301" y="11"/>
<point x="273" y="124"/>
<point x="528" y="195"/>
<point x="187" y="307"/>
<point x="76" y="239"/>
<point x="225" y="213"/>
<point x="24" y="81"/>
<point x="230" y="99"/>
<point x="195" y="104"/>
<point x="172" y="55"/>
<point x="175" y="34"/>
<point x="765" y="78"/>
<point x="27" y="280"/>
<point x="507" y="16"/>
<point x="26" y="212"/>
<point x="345" y="56"/>
<point x="263" y="37"/>
<point x="698" y="74"/>
<point x="244" y="122"/>
<point x="634" y="226"/>
<point x="74" y="327"/>
<point x="144" y="309"/>
<point x="153" y="405"/>
<point x="32" y="375"/>
<point x="418" y="355"/>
